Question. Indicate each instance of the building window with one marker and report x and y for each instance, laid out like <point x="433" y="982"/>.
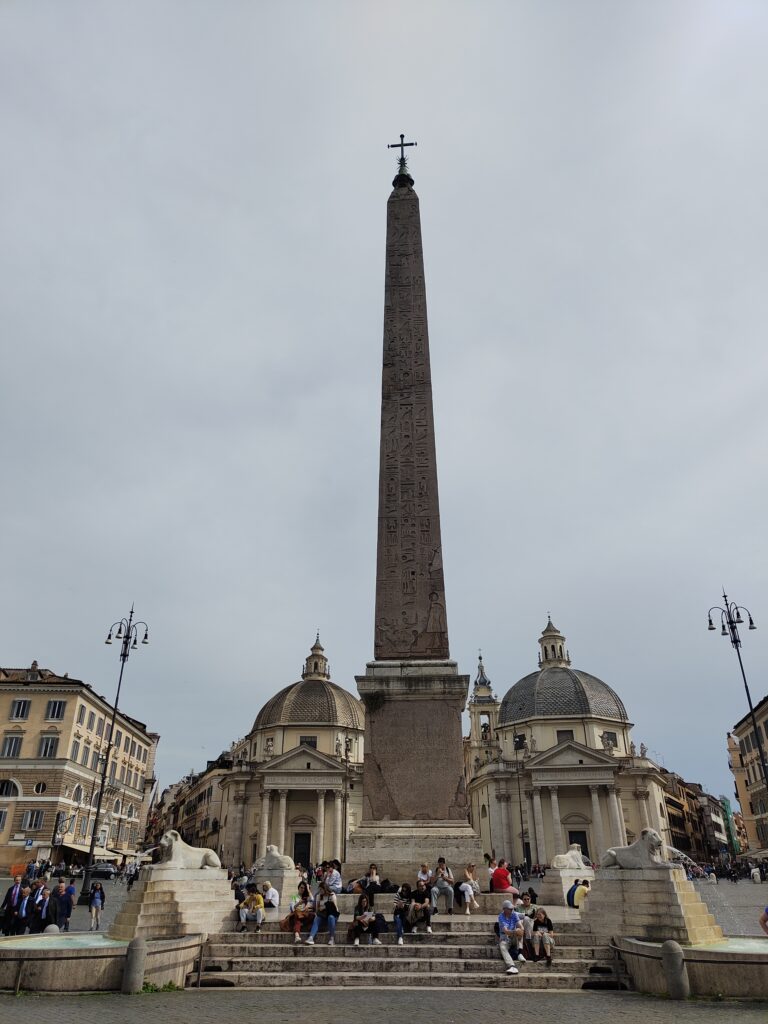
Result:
<point x="144" y="755"/>
<point x="3" y="819"/>
<point x="83" y="826"/>
<point x="40" y="788"/>
<point x="86" y="755"/>
<point x="100" y="727"/>
<point x="94" y="760"/>
<point x="117" y="806"/>
<point x="91" y="719"/>
<point x="8" y="788"/>
<point x="56" y="709"/>
<point x="108" y="731"/>
<point x="308" y="741"/>
<point x="20" y="709"/>
<point x="11" y="746"/>
<point x="564" y="734"/>
<point x="48" y="746"/>
<point x="612" y="737"/>
<point x="112" y="771"/>
<point x="127" y="744"/>
<point x="32" y="821"/>
<point x="77" y="796"/>
<point x="122" y="773"/>
<point x="133" y="748"/>
<point x="81" y="714"/>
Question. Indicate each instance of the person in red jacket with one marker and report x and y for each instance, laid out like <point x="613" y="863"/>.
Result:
<point x="501" y="880"/>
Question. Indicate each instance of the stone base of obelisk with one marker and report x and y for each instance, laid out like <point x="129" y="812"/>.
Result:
<point x="556" y="883"/>
<point x="415" y="800"/>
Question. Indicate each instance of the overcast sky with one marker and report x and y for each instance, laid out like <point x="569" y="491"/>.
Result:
<point x="192" y="218"/>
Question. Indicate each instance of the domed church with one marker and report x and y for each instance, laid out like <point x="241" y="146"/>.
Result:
<point x="295" y="780"/>
<point x="554" y="763"/>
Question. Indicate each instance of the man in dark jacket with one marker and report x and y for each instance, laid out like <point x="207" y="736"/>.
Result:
<point x="46" y="912"/>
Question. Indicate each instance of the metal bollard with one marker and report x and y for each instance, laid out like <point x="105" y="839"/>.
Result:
<point x="135" y="962"/>
<point x="675" y="971"/>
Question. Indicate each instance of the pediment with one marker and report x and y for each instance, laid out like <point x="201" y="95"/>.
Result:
<point x="571" y="754"/>
<point x="295" y="760"/>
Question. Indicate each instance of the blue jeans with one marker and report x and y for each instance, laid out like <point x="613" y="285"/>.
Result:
<point x="316" y="926"/>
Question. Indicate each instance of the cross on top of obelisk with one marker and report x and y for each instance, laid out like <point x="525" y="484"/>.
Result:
<point x="402" y="162"/>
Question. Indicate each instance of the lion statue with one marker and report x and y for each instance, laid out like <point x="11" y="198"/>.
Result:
<point x="273" y="860"/>
<point x="178" y="854"/>
<point x="645" y="852"/>
<point x="571" y="860"/>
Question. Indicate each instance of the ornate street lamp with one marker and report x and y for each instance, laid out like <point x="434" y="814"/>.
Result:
<point x="127" y="632"/>
<point x="730" y="620"/>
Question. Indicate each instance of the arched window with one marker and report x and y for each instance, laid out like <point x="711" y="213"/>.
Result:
<point x="77" y="796"/>
<point x="117" y="806"/>
<point x="130" y="810"/>
<point x="554" y="655"/>
<point x="561" y="650"/>
<point x="314" y="666"/>
<point x="483" y="812"/>
<point x="8" y="788"/>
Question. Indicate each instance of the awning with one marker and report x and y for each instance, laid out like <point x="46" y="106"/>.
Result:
<point x="99" y="852"/>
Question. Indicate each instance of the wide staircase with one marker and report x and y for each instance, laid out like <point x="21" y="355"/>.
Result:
<point x="461" y="952"/>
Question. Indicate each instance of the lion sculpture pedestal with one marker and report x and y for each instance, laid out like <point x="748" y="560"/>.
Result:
<point x="186" y="893"/>
<point x="566" y="868"/>
<point x="638" y="895"/>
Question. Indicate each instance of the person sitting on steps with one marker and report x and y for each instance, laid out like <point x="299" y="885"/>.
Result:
<point x="443" y="883"/>
<point x="327" y="912"/>
<point x="470" y="889"/>
<point x="364" y="922"/>
<point x="543" y="934"/>
<point x="401" y="908"/>
<point x="251" y="908"/>
<point x="421" y="907"/>
<point x="510" y="931"/>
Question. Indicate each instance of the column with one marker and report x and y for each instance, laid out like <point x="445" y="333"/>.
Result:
<point x="280" y="837"/>
<point x="320" y="842"/>
<point x="617" y="831"/>
<point x="557" y="828"/>
<point x="264" y="823"/>
<point x="642" y="799"/>
<point x="338" y="834"/>
<point x="597" y="824"/>
<point x="538" y="824"/>
<point x="622" y="824"/>
<point x="506" y="844"/>
<point x="531" y="828"/>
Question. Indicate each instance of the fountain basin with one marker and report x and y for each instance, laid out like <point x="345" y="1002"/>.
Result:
<point x="88" y="962"/>
<point x="735" y="968"/>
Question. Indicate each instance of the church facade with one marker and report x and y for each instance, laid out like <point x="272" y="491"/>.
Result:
<point x="553" y="763"/>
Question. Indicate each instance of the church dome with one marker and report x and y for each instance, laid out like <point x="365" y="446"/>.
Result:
<point x="559" y="691"/>
<point x="314" y="700"/>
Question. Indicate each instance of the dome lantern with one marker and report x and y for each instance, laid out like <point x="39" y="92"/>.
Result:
<point x="553" y="651"/>
<point x="316" y="665"/>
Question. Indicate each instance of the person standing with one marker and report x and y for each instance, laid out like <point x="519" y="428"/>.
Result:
<point x="45" y="912"/>
<point x="443" y="883"/>
<point x="510" y="927"/>
<point x="64" y="905"/>
<point x="10" y="904"/>
<point x="24" y="912"/>
<point x="96" y="903"/>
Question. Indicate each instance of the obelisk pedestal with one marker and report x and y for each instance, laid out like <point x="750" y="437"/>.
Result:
<point x="414" y="803"/>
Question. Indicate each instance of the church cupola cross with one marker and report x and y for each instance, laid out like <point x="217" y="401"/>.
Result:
<point x="401" y="145"/>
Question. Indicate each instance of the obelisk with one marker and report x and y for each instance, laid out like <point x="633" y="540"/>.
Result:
<point x="414" y="794"/>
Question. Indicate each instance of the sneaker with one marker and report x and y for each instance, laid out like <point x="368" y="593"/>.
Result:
<point x="521" y="959"/>
<point x="309" y="942"/>
<point x="356" y="942"/>
<point x="429" y="931"/>
<point x="467" y="911"/>
<point x="377" y="942"/>
<point x="331" y="942"/>
<point x="400" y="941"/>
<point x="414" y="931"/>
<point x="296" y="937"/>
<point x="512" y="970"/>
<point x="450" y="910"/>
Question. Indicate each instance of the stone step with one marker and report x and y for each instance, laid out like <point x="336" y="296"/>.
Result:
<point x="327" y="963"/>
<point x="484" y="937"/>
<point x="413" y="948"/>
<point x="543" y="980"/>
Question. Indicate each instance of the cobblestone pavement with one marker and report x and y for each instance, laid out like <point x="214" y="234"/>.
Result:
<point x="114" y="895"/>
<point x="339" y="1006"/>
<point x="737" y="907"/>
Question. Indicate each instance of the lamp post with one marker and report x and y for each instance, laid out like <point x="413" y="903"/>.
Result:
<point x="519" y="744"/>
<point x="730" y="620"/>
<point x="127" y="632"/>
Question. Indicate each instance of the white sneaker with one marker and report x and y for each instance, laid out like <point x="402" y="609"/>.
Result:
<point x="467" y="910"/>
<point x="377" y="942"/>
<point x="414" y="931"/>
<point x="400" y="941"/>
<point x="331" y="942"/>
<point x="521" y="959"/>
<point x="309" y="942"/>
<point x="429" y="930"/>
<point x="296" y="937"/>
<point x="512" y="970"/>
<point x="356" y="942"/>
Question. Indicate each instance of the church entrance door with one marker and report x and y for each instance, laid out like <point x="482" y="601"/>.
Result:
<point x="580" y="837"/>
<point x="302" y="843"/>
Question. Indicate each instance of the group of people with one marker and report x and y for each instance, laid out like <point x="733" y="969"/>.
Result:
<point x="32" y="905"/>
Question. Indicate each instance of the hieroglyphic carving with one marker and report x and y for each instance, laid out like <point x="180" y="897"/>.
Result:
<point x="410" y="590"/>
